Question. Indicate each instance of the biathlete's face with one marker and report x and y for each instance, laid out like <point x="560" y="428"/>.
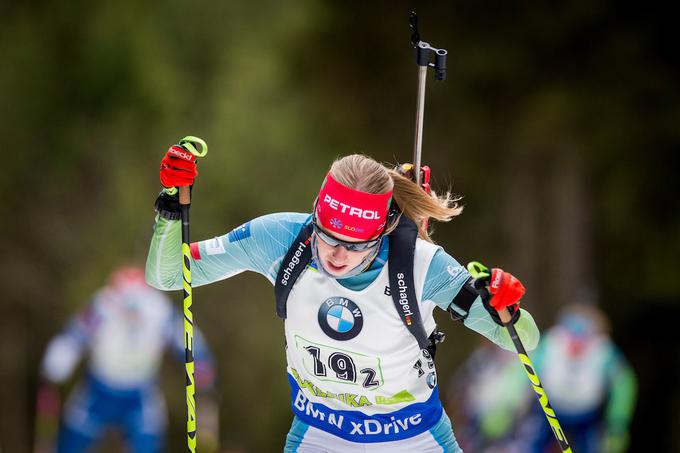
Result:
<point x="335" y="257"/>
<point x="360" y="214"/>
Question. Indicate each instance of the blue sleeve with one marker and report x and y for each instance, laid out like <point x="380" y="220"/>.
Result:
<point x="85" y="323"/>
<point x="258" y="245"/>
<point x="445" y="277"/>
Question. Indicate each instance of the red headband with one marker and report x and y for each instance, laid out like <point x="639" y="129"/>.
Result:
<point x="343" y="210"/>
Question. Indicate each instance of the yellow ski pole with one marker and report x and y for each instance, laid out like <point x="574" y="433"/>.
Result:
<point x="190" y="144"/>
<point x="479" y="270"/>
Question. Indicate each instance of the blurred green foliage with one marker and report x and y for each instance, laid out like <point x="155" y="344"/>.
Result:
<point x="558" y="123"/>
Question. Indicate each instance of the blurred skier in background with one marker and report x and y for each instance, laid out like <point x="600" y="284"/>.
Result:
<point x="124" y="331"/>
<point x="486" y="400"/>
<point x="590" y="384"/>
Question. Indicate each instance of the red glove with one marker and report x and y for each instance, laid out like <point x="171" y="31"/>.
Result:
<point x="505" y="289"/>
<point x="178" y="167"/>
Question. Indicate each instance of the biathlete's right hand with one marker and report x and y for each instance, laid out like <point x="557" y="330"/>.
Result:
<point x="178" y="167"/>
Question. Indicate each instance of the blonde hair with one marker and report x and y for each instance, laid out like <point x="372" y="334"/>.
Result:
<point x="362" y="173"/>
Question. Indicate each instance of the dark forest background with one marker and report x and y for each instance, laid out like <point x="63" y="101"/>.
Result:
<point x="558" y="124"/>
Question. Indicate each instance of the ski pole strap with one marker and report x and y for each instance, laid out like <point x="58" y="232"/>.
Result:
<point x="402" y="286"/>
<point x="196" y="146"/>
<point x="295" y="261"/>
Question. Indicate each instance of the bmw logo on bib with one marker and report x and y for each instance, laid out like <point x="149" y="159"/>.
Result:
<point x="340" y="318"/>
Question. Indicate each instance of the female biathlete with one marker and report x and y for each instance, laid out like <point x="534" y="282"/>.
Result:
<point x="356" y="281"/>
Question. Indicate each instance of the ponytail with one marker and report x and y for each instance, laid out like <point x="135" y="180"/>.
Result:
<point x="362" y="173"/>
<point x="419" y="206"/>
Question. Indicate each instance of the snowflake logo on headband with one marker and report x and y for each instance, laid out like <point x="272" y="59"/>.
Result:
<point x="336" y="223"/>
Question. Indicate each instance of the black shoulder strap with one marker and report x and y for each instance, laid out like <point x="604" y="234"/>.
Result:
<point x="402" y="287"/>
<point x="400" y="271"/>
<point x="298" y="256"/>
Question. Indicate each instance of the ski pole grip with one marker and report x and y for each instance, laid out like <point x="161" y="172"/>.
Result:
<point x="506" y="317"/>
<point x="184" y="195"/>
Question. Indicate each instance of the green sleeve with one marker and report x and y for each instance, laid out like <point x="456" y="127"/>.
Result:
<point x="622" y="394"/>
<point x="163" y="265"/>
<point x="480" y="321"/>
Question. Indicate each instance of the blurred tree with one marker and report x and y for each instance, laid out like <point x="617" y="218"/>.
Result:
<point x="558" y="124"/>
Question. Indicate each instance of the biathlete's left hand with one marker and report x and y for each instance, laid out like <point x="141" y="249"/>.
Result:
<point x="505" y="288"/>
<point x="499" y="289"/>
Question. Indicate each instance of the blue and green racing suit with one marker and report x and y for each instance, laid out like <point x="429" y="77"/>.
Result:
<point x="357" y="376"/>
